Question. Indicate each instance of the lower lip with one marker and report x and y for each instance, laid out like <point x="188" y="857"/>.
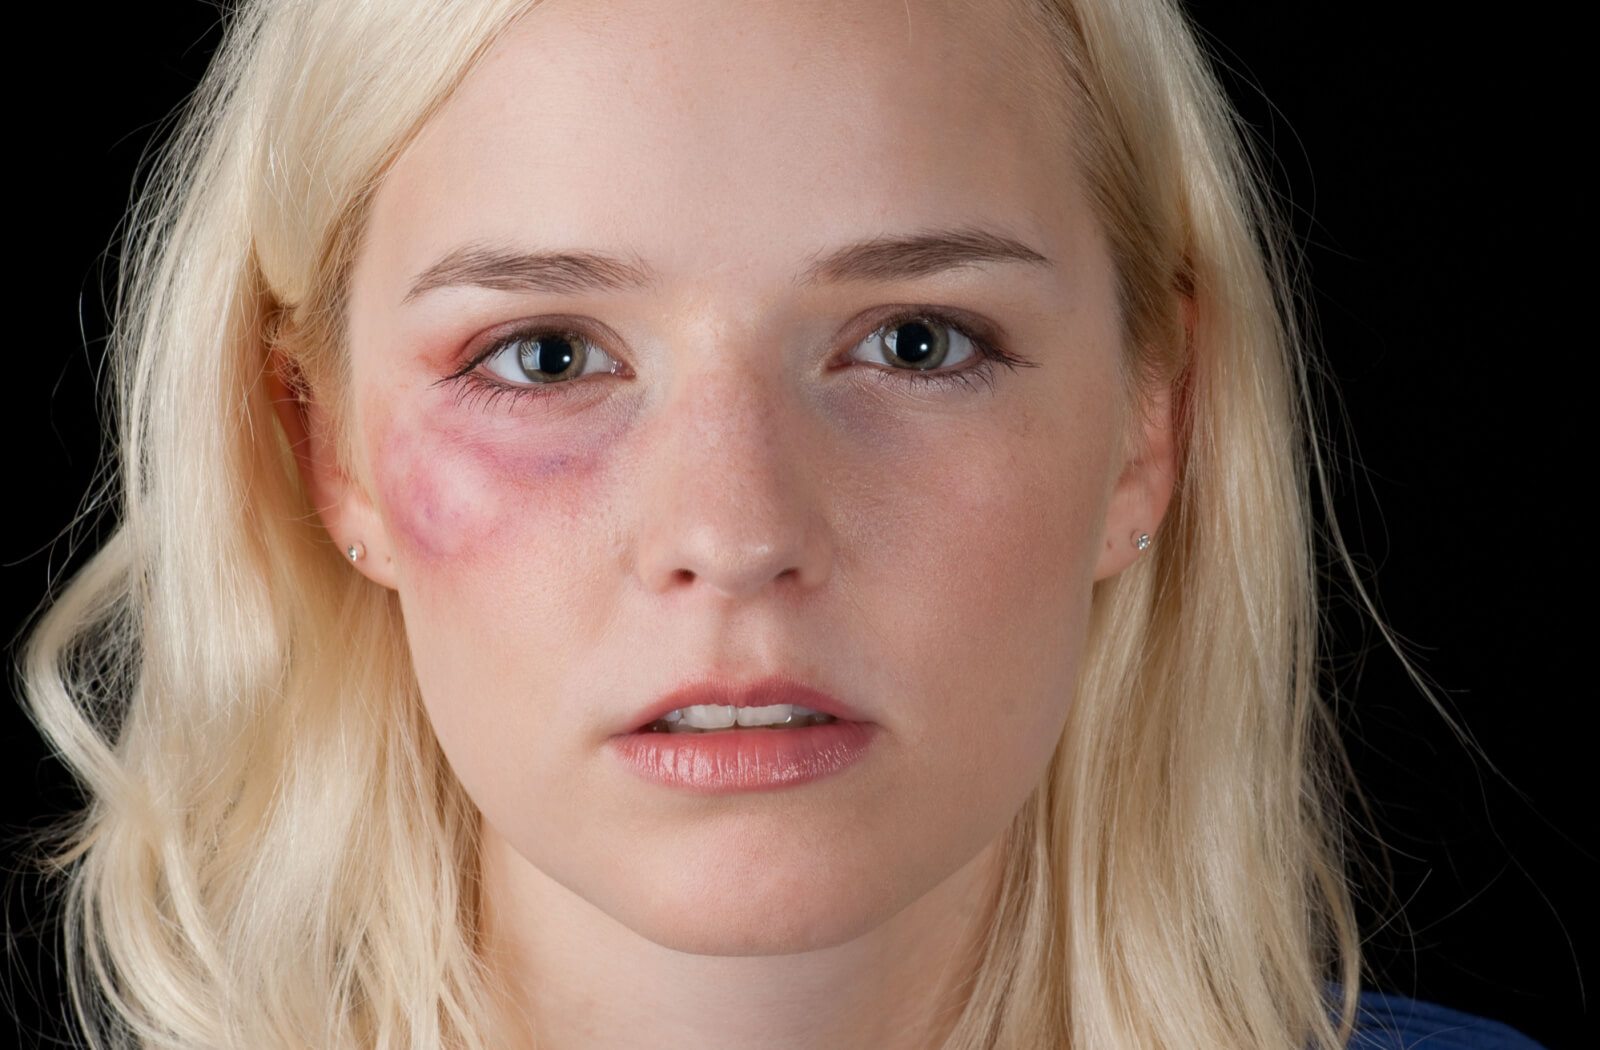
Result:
<point x="744" y="759"/>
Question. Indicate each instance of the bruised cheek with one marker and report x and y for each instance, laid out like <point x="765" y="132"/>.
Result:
<point x="456" y="490"/>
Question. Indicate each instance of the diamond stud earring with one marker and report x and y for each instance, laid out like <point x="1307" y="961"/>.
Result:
<point x="356" y="551"/>
<point x="1141" y="540"/>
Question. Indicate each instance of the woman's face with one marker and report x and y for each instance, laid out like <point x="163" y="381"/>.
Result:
<point x="630" y="421"/>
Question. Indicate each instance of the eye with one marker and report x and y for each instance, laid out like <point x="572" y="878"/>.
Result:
<point x="542" y="358"/>
<point x="918" y="344"/>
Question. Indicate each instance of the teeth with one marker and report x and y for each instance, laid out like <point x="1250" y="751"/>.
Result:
<point x="764" y="716"/>
<point x="710" y="717"/>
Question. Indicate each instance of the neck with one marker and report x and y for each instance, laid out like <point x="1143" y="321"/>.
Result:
<point x="580" y="980"/>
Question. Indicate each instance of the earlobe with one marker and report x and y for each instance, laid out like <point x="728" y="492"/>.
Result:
<point x="343" y="507"/>
<point x="1143" y="489"/>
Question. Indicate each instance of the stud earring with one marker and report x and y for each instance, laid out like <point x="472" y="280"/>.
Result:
<point x="1141" y="540"/>
<point x="356" y="551"/>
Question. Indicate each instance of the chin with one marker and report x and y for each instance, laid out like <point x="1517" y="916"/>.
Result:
<point x="750" y="931"/>
<point x="777" y="901"/>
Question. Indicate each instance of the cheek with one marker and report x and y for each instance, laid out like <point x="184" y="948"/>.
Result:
<point x="490" y="521"/>
<point x="982" y="563"/>
<point x="1000" y="535"/>
<point x="459" y="492"/>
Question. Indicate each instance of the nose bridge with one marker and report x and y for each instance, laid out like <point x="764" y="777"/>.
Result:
<point x="726" y="404"/>
<point x="730" y="507"/>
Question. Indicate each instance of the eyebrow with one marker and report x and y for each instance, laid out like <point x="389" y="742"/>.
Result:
<point x="878" y="259"/>
<point x="918" y="255"/>
<point x="506" y="270"/>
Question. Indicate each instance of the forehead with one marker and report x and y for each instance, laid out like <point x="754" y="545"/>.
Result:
<point x="786" y="125"/>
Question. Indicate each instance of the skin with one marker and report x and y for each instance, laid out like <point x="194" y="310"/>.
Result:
<point x="745" y="496"/>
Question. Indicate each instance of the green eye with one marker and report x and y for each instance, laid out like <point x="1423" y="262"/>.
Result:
<point x="551" y="358"/>
<point x="542" y="358"/>
<point x="916" y="344"/>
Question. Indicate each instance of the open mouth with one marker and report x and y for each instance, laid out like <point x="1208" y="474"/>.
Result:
<point x="714" y="718"/>
<point x="718" y="737"/>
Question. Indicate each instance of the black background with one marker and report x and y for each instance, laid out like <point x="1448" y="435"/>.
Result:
<point x="1426" y="161"/>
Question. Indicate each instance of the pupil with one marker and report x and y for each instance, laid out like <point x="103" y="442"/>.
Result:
<point x="917" y="344"/>
<point x="913" y="342"/>
<point x="550" y="355"/>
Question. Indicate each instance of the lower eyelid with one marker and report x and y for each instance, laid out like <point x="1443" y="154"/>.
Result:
<point x="977" y="360"/>
<point x="980" y="372"/>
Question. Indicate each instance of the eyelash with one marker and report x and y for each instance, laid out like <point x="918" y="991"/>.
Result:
<point x="479" y="391"/>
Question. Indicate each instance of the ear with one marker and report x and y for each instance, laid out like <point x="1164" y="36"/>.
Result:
<point x="1144" y="487"/>
<point x="345" y="509"/>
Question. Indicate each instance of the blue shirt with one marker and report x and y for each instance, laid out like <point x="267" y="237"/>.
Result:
<point x="1392" y="1022"/>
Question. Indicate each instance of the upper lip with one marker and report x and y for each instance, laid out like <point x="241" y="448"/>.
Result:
<point x="763" y="692"/>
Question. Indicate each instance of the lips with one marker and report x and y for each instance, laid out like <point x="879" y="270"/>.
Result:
<point x="735" y="757"/>
<point x="772" y="691"/>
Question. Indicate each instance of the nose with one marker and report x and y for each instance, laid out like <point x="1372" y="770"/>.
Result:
<point x="732" y="501"/>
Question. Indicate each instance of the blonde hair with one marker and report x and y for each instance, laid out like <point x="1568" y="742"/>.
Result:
<point x="276" y="852"/>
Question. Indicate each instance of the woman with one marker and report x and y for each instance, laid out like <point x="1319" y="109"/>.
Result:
<point x="661" y="524"/>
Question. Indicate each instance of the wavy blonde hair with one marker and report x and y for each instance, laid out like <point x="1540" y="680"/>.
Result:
<point x="276" y="853"/>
